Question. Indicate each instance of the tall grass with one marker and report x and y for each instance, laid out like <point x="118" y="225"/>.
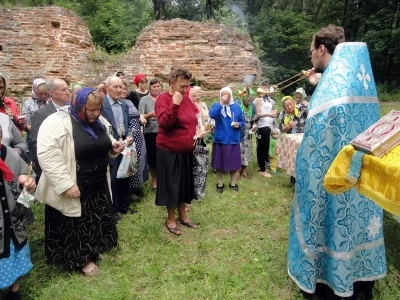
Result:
<point x="238" y="252"/>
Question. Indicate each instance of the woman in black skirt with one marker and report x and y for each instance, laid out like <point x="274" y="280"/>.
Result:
<point x="177" y="125"/>
<point x="73" y="151"/>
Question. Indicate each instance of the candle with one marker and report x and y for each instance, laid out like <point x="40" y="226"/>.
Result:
<point x="30" y="169"/>
<point x="120" y="132"/>
<point x="142" y="121"/>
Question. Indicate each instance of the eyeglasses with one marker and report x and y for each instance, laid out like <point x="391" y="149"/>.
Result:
<point x="310" y="52"/>
<point x="143" y="81"/>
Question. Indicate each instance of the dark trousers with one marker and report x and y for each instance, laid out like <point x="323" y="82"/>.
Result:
<point x="119" y="187"/>
<point x="263" y="146"/>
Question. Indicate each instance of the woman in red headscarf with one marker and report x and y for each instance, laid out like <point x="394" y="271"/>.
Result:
<point x="140" y="80"/>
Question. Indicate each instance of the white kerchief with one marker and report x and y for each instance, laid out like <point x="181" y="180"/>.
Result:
<point x="228" y="109"/>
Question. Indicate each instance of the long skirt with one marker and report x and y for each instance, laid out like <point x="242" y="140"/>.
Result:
<point x="150" y="139"/>
<point x="14" y="266"/>
<point x="226" y="158"/>
<point x="75" y="241"/>
<point x="174" y="178"/>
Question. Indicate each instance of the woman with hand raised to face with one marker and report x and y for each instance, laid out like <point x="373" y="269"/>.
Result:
<point x="177" y="124"/>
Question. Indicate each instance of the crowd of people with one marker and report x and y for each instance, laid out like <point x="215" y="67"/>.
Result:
<point x="76" y="138"/>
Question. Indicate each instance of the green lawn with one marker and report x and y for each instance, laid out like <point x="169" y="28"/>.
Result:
<point x="238" y="252"/>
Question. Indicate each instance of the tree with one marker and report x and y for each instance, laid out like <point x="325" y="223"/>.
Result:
<point x="283" y="38"/>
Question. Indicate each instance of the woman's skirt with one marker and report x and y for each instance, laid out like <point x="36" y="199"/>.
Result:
<point x="226" y="158"/>
<point x="174" y="178"/>
<point x="75" y="241"/>
<point x="14" y="266"/>
<point x="150" y="139"/>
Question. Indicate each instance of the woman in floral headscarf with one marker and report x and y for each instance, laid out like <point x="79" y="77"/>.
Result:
<point x="293" y="118"/>
<point x="9" y="107"/>
<point x="79" y="224"/>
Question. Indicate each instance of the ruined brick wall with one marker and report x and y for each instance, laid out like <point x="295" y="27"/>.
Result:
<point x="216" y="55"/>
<point x="54" y="42"/>
<point x="42" y="42"/>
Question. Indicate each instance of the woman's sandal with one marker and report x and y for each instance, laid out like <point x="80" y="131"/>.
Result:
<point x="92" y="272"/>
<point x="174" y="230"/>
<point x="265" y="174"/>
<point x="188" y="224"/>
<point x="245" y="175"/>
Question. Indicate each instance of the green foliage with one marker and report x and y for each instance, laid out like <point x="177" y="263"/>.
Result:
<point x="283" y="38"/>
<point x="114" y="24"/>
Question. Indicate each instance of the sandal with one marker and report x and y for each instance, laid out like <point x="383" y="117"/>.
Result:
<point x="245" y="175"/>
<point x="234" y="187"/>
<point x="265" y="174"/>
<point x="174" y="230"/>
<point x="188" y="224"/>
<point x="220" y="189"/>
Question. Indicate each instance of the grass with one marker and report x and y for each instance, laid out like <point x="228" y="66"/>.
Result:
<point x="238" y="252"/>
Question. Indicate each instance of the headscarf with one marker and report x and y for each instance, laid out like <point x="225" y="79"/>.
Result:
<point x="137" y="78"/>
<point x="302" y="92"/>
<point x="118" y="73"/>
<point x="35" y="87"/>
<point x="244" y="97"/>
<point x="264" y="81"/>
<point x="228" y="110"/>
<point x="74" y="84"/>
<point x="77" y="112"/>
<point x="288" y="116"/>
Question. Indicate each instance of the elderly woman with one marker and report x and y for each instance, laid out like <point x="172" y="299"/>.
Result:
<point x="38" y="100"/>
<point x="201" y="106"/>
<point x="75" y="87"/>
<point x="134" y="125"/>
<point x="73" y="151"/>
<point x="293" y="118"/>
<point x="246" y="142"/>
<point x="299" y="96"/>
<point x="14" y="249"/>
<point x="9" y="107"/>
<point x="229" y="121"/>
<point x="177" y="123"/>
<point x="146" y="107"/>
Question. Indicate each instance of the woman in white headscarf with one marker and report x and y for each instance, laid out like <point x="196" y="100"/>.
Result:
<point x="226" y="155"/>
<point x="299" y="97"/>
